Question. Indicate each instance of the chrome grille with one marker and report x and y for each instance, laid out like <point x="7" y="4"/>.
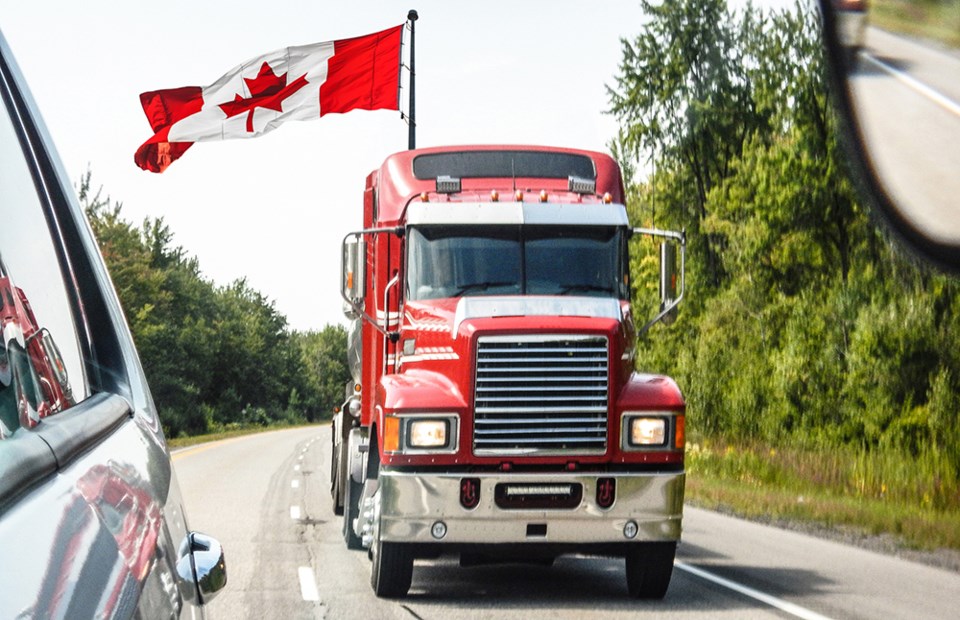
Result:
<point x="541" y="394"/>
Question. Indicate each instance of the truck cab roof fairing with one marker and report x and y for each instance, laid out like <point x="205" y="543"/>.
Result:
<point x="398" y="184"/>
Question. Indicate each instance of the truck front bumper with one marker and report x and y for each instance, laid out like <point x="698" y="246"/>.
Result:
<point x="411" y="505"/>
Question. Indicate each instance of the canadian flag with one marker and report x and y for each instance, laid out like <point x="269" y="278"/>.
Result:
<point x="295" y="83"/>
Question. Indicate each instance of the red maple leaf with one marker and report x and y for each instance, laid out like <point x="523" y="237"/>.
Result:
<point x="267" y="90"/>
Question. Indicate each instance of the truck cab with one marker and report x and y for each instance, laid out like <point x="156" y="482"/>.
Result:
<point x="499" y="415"/>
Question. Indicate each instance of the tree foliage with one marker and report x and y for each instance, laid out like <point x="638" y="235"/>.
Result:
<point x="804" y="325"/>
<point x="215" y="356"/>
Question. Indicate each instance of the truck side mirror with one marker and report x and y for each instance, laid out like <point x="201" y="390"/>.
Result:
<point x="352" y="271"/>
<point x="668" y="281"/>
<point x="671" y="277"/>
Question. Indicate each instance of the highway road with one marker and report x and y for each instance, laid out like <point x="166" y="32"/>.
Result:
<point x="266" y="498"/>
<point x="907" y="94"/>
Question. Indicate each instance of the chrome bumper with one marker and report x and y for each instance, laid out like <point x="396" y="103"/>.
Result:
<point x="410" y="504"/>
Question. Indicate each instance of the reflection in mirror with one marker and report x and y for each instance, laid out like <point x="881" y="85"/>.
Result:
<point x="904" y="83"/>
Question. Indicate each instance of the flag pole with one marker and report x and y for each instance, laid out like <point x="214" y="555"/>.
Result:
<point x="411" y="113"/>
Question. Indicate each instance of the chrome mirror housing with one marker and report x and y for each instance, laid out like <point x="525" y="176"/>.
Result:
<point x="202" y="563"/>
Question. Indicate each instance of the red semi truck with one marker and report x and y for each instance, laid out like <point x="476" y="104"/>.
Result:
<point x="33" y="378"/>
<point x="495" y="410"/>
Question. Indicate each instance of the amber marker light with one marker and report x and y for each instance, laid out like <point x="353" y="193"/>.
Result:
<point x="607" y="198"/>
<point x="519" y="195"/>
<point x="391" y="434"/>
<point x="494" y="195"/>
<point x="424" y="197"/>
<point x="680" y="440"/>
<point x="543" y="195"/>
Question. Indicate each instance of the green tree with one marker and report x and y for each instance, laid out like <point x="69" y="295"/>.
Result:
<point x="323" y="354"/>
<point x="214" y="356"/>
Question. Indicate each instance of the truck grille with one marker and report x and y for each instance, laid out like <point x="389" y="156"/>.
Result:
<point x="541" y="394"/>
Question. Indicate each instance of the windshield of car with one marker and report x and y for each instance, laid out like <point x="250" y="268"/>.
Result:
<point x="455" y="261"/>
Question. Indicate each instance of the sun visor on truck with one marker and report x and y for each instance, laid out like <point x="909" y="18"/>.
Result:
<point x="516" y="213"/>
<point x="503" y="164"/>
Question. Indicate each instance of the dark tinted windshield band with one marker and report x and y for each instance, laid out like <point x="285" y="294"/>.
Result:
<point x="503" y="164"/>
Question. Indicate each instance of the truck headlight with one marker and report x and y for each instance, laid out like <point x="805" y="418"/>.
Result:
<point x="429" y="433"/>
<point x="648" y="431"/>
<point x="421" y="433"/>
<point x="644" y="430"/>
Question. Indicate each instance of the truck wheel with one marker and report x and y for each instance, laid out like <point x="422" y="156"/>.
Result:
<point x="351" y="510"/>
<point x="649" y="567"/>
<point x="392" y="569"/>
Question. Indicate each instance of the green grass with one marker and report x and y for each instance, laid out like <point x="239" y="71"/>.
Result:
<point x="867" y="492"/>
<point x="937" y="20"/>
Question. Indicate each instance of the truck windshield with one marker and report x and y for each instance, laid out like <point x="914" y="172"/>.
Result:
<point x="455" y="261"/>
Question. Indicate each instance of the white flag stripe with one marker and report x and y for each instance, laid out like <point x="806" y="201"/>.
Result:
<point x="212" y="123"/>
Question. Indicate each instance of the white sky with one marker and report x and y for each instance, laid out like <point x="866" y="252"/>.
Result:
<point x="274" y="209"/>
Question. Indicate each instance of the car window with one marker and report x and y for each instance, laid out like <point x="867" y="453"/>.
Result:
<point x="41" y="371"/>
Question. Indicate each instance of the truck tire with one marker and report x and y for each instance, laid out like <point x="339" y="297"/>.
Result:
<point x="351" y="510"/>
<point x="336" y="471"/>
<point x="392" y="569"/>
<point x="649" y="568"/>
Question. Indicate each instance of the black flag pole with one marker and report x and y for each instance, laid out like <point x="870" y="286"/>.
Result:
<point x="411" y="111"/>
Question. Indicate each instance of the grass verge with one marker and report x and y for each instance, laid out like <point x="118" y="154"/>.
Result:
<point x="844" y="490"/>
<point x="936" y="20"/>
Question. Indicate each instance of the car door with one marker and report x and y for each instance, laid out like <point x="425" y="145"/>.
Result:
<point x="91" y="521"/>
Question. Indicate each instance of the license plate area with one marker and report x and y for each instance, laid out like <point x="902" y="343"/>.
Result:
<point x="538" y="495"/>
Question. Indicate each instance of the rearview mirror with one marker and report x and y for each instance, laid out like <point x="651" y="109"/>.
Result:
<point x="899" y="98"/>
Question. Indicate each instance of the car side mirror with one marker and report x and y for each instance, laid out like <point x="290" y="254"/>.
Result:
<point x="202" y="562"/>
<point x="899" y="104"/>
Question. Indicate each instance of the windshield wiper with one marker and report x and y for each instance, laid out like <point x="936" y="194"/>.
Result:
<point x="479" y="286"/>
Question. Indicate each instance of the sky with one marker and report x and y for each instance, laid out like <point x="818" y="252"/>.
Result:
<point x="274" y="209"/>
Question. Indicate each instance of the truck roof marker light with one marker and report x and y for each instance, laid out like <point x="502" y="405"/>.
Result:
<point x="578" y="185"/>
<point x="356" y="388"/>
<point x="543" y="195"/>
<point x="447" y="184"/>
<point x="494" y="196"/>
<point x="424" y="197"/>
<point x="607" y="198"/>
<point x="518" y="195"/>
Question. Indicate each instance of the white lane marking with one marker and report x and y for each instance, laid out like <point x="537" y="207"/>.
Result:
<point x="920" y="87"/>
<point x="308" y="584"/>
<point x="294" y="484"/>
<point x="294" y="512"/>
<point x="782" y="605"/>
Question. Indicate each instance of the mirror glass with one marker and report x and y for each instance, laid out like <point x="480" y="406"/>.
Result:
<point x="903" y="71"/>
